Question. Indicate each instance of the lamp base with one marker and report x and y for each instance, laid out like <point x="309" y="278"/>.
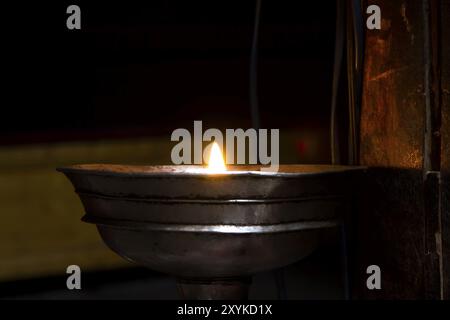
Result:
<point x="214" y="289"/>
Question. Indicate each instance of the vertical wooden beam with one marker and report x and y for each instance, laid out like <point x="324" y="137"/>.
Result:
<point x="398" y="222"/>
<point x="393" y="103"/>
<point x="432" y="149"/>
<point x="445" y="148"/>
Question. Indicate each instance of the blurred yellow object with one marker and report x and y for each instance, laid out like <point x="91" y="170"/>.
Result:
<point x="40" y="228"/>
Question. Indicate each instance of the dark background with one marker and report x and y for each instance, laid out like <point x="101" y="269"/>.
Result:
<point x="145" y="68"/>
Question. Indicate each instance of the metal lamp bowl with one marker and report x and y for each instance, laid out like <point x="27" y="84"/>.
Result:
<point x="194" y="225"/>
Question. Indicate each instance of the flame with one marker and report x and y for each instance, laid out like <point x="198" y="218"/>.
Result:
<point x="216" y="164"/>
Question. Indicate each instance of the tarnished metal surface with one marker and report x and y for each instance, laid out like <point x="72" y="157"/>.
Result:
<point x="202" y="211"/>
<point x="210" y="254"/>
<point x="170" y="195"/>
<point x="215" y="228"/>
<point x="197" y="225"/>
<point x="189" y="182"/>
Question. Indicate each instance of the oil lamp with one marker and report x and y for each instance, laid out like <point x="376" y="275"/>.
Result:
<point x="212" y="227"/>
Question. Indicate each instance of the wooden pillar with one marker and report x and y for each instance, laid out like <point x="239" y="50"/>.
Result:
<point x="445" y="146"/>
<point x="403" y="222"/>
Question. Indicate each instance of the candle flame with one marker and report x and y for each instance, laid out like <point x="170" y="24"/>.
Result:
<point x="216" y="164"/>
